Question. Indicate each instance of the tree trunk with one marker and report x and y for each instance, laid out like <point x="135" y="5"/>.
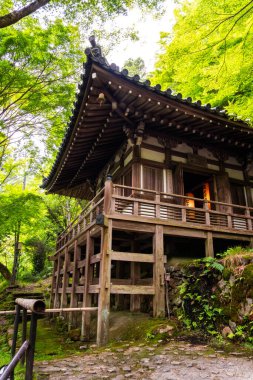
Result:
<point x="5" y="272"/>
<point x="16" y="255"/>
<point x="15" y="16"/>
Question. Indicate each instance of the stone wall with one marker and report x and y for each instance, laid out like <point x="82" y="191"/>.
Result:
<point x="230" y="290"/>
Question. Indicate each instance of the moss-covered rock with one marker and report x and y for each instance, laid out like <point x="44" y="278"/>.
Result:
<point x="247" y="275"/>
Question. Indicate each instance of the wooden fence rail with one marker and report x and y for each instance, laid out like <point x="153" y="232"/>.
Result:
<point x="36" y="308"/>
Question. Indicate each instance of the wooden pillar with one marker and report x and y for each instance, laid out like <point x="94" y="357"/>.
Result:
<point x="135" y="299"/>
<point x="251" y="243"/>
<point x="73" y="299"/>
<point x="158" y="273"/>
<point x="56" y="303"/>
<point x="223" y="191"/>
<point x="85" y="329"/>
<point x="119" y="298"/>
<point x="108" y="195"/>
<point x="104" y="286"/>
<point x="65" y="279"/>
<point x="53" y="283"/>
<point x="209" y="245"/>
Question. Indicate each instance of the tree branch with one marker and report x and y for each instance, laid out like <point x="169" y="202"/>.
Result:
<point x="15" y="16"/>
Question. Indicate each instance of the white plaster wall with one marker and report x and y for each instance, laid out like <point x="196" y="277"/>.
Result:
<point x="213" y="167"/>
<point x="233" y="161"/>
<point x="152" y="155"/>
<point x="236" y="174"/>
<point x="184" y="148"/>
<point x="152" y="141"/>
<point x="207" y="154"/>
<point x="178" y="159"/>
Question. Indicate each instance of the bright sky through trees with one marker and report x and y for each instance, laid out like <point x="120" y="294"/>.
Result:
<point x="148" y="28"/>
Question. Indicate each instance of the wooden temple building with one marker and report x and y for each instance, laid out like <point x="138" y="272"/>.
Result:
<point x="166" y="179"/>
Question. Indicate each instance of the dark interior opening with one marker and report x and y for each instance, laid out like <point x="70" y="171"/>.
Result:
<point x="194" y="184"/>
<point x="127" y="241"/>
<point x="221" y="245"/>
<point x="183" y="248"/>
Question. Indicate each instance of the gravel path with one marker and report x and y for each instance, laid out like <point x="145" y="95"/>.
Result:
<point x="174" y="361"/>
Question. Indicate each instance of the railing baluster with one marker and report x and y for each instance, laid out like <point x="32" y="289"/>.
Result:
<point x="183" y="215"/>
<point x="136" y="208"/>
<point x="157" y="204"/>
<point x="248" y="220"/>
<point x="207" y="213"/>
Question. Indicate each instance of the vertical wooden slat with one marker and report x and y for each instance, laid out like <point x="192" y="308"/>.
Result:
<point x="73" y="299"/>
<point x="135" y="299"/>
<point x="183" y="215"/>
<point x="53" y="283"/>
<point x="57" y="283"/>
<point x="65" y="279"/>
<point x="157" y="205"/>
<point x="85" y="329"/>
<point x="249" y="220"/>
<point x="207" y="214"/>
<point x="104" y="283"/>
<point x="158" y="273"/>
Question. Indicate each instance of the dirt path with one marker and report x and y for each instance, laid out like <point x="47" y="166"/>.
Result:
<point x="174" y="361"/>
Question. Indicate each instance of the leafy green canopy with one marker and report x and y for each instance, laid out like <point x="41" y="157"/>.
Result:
<point x="209" y="54"/>
<point x="13" y="11"/>
<point x="38" y="69"/>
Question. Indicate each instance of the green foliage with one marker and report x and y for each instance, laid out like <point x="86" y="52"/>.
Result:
<point x="135" y="67"/>
<point x="208" y="54"/>
<point x="39" y="68"/>
<point x="201" y="308"/>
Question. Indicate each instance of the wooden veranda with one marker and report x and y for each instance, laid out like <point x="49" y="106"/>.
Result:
<point x="83" y="272"/>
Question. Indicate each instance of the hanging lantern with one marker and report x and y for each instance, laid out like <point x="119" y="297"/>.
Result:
<point x="101" y="98"/>
<point x="206" y="193"/>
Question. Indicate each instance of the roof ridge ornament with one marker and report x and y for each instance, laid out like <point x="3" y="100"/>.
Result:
<point x="95" y="52"/>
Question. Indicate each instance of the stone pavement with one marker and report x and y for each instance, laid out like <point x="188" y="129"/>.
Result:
<point x="174" y="361"/>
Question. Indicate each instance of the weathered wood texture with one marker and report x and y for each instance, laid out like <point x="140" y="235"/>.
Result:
<point x="104" y="287"/>
<point x="135" y="211"/>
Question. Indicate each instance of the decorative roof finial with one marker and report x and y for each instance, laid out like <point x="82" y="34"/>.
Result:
<point x="95" y="51"/>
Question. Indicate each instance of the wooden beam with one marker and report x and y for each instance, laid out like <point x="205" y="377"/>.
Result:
<point x="94" y="289"/>
<point x="95" y="258"/>
<point x="132" y="289"/>
<point x="133" y="257"/>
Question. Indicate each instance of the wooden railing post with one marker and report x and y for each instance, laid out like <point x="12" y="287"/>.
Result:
<point x="31" y="348"/>
<point x="183" y="215"/>
<point x="249" y="221"/>
<point x="157" y="205"/>
<point x="207" y="213"/>
<point x="15" y="335"/>
<point x="108" y="195"/>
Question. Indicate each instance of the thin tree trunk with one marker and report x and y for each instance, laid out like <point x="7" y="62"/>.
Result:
<point x="16" y="255"/>
<point x="13" y="17"/>
<point x="5" y="272"/>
